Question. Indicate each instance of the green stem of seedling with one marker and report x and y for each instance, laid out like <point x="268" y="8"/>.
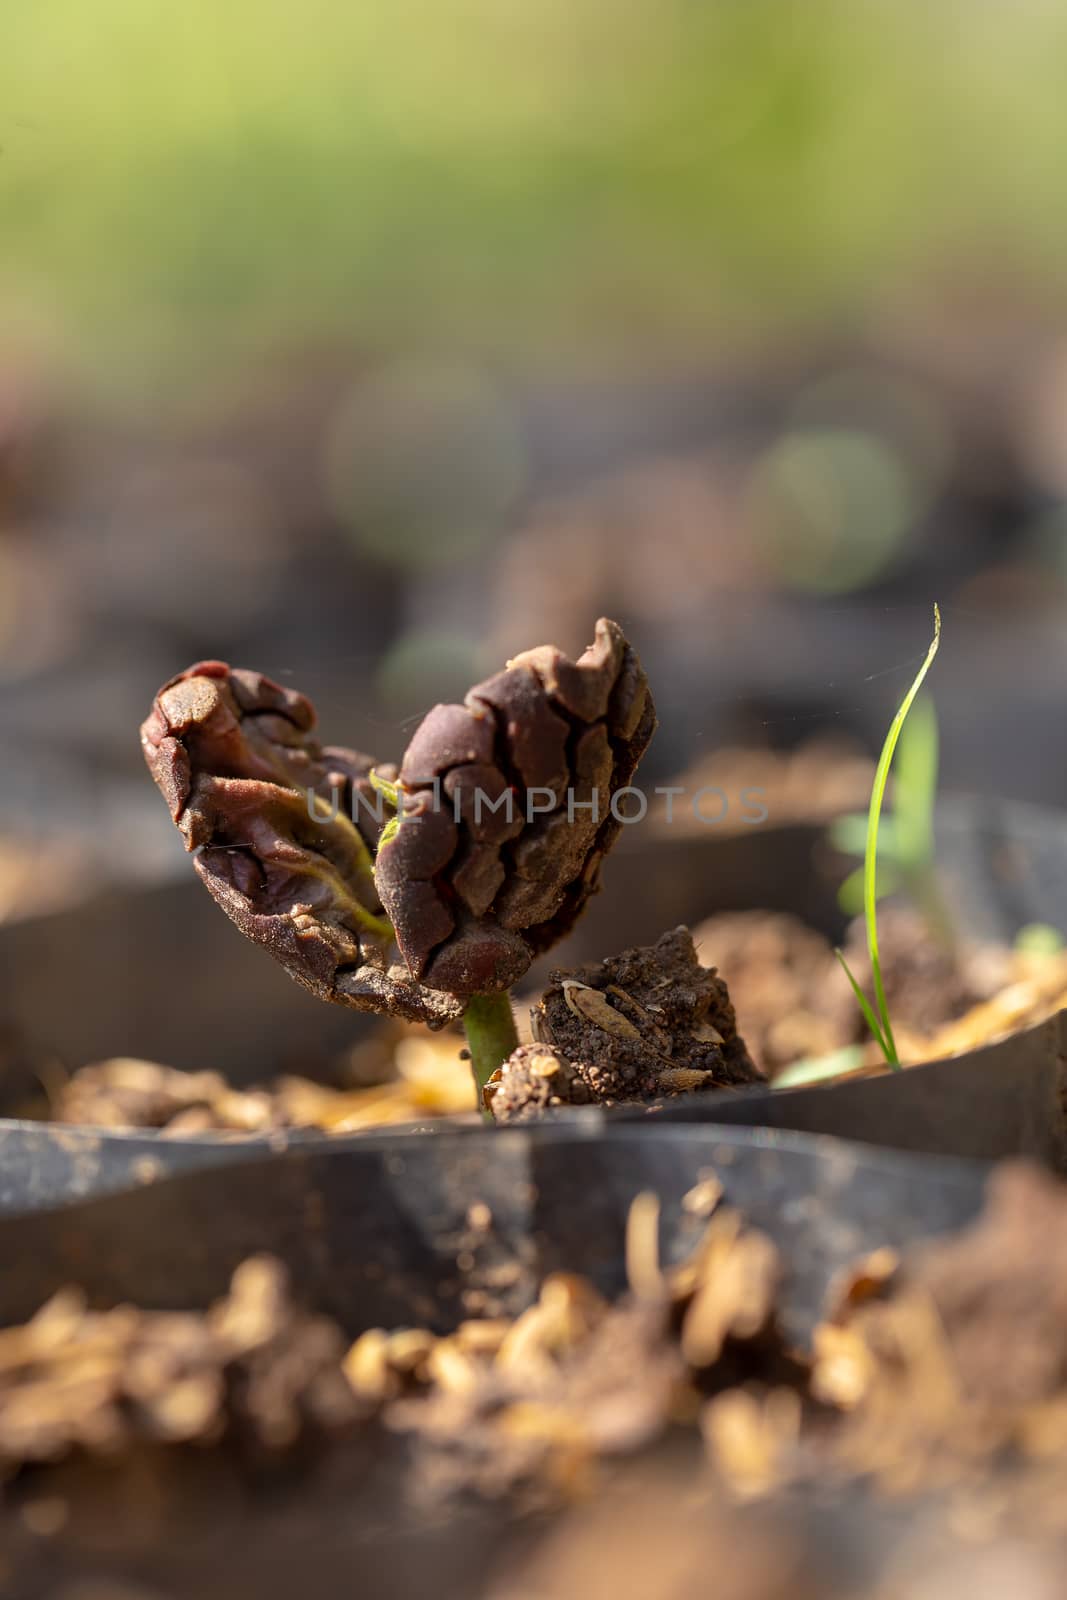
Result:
<point x="488" y="1021"/>
<point x="489" y="1024"/>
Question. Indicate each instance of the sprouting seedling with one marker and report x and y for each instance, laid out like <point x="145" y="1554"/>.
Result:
<point x="500" y="814"/>
<point x="906" y="837"/>
<point x="877" y="1016"/>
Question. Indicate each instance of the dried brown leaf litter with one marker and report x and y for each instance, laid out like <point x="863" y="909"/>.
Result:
<point x="640" y="1027"/>
<point x="416" y="1076"/>
<point x="793" y="1002"/>
<point x="956" y="1362"/>
<point x="945" y="1374"/>
<point x="102" y="1381"/>
<point x="498" y="1401"/>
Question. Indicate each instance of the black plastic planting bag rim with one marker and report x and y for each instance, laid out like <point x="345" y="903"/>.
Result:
<point x="1006" y="1099"/>
<point x="378" y="1232"/>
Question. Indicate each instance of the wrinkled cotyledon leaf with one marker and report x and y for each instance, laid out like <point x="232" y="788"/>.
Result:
<point x="504" y="818"/>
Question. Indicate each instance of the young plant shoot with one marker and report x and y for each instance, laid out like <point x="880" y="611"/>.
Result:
<point x="906" y="837"/>
<point x="877" y="1015"/>
<point x="501" y="814"/>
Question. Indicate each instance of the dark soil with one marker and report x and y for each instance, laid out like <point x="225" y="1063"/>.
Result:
<point x="999" y="1292"/>
<point x="953" y="1375"/>
<point x="785" y="982"/>
<point x="926" y="983"/>
<point x="794" y="1001"/>
<point x="640" y="1026"/>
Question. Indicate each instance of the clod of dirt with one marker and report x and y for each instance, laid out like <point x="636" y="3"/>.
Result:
<point x="639" y="1026"/>
<point x="535" y="1079"/>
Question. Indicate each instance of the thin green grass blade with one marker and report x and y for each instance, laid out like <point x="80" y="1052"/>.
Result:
<point x="867" y="1009"/>
<point x="870" y="884"/>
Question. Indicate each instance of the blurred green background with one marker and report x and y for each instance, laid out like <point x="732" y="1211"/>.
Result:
<point x="616" y="176"/>
<point x="369" y="344"/>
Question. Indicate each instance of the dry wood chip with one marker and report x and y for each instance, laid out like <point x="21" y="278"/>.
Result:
<point x="642" y="1248"/>
<point x="592" y="1005"/>
<point x="752" y="1437"/>
<point x="735" y="1290"/>
<point x="703" y="1197"/>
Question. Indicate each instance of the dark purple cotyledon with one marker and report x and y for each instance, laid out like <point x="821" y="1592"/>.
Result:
<point x="505" y="815"/>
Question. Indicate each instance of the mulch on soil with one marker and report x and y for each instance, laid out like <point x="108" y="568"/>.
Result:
<point x="943" y="1375"/>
